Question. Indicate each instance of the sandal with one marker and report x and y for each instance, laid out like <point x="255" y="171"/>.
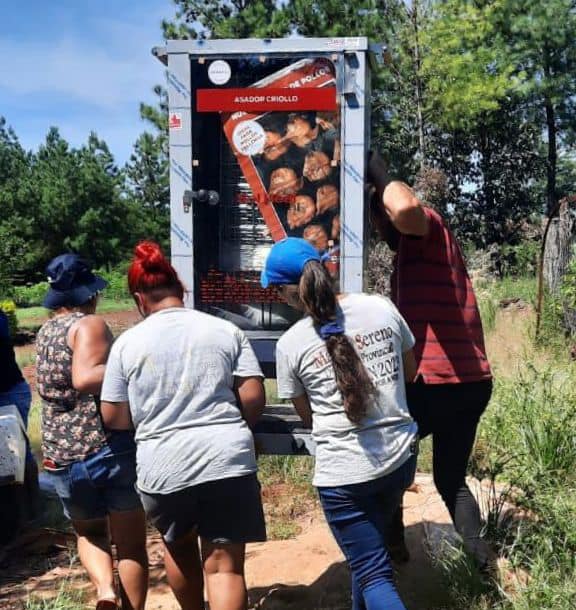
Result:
<point x="106" y="604"/>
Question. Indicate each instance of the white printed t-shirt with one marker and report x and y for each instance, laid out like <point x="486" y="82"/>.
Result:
<point x="176" y="369"/>
<point x="349" y="453"/>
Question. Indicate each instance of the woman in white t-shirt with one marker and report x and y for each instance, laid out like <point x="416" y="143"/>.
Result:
<point x="344" y="366"/>
<point x="190" y="386"/>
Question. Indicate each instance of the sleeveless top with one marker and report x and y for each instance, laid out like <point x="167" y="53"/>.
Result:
<point x="71" y="424"/>
<point x="433" y="292"/>
<point x="10" y="374"/>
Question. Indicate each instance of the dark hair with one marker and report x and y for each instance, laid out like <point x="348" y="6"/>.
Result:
<point x="152" y="273"/>
<point x="319" y="299"/>
<point x="309" y="117"/>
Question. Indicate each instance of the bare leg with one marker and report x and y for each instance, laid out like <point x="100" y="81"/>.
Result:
<point x="96" y="555"/>
<point x="224" y="569"/>
<point x="128" y="529"/>
<point x="184" y="571"/>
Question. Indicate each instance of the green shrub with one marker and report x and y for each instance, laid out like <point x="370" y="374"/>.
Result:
<point x="527" y="438"/>
<point x="488" y="308"/>
<point x="117" y="288"/>
<point x="30" y="296"/>
<point x="521" y="259"/>
<point x="9" y="308"/>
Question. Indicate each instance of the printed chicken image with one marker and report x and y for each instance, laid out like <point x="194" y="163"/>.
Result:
<point x="275" y="146"/>
<point x="327" y="197"/>
<point x="317" y="236"/>
<point x="316" y="166"/>
<point x="301" y="129"/>
<point x="284" y="182"/>
<point x="301" y="212"/>
<point x="335" y="232"/>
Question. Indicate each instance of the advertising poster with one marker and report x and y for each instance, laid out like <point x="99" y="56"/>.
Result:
<point x="282" y="162"/>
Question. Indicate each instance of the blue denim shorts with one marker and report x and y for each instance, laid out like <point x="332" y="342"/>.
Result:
<point x="103" y="483"/>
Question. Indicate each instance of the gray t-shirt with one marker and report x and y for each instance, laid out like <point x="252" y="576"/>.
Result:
<point x="347" y="453"/>
<point x="177" y="369"/>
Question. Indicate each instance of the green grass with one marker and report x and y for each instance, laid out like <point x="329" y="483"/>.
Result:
<point x="527" y="443"/>
<point x="491" y="293"/>
<point x="25" y="358"/>
<point x="515" y="287"/>
<point x="34" y="431"/>
<point x="66" y="599"/>
<point x="425" y="455"/>
<point x="27" y="313"/>
<point x="106" y="305"/>
<point x="287" y="492"/>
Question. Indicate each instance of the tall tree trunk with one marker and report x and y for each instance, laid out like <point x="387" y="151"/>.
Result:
<point x="417" y="65"/>
<point x="492" y="231"/>
<point x="552" y="206"/>
<point x="551" y="195"/>
<point x="417" y="82"/>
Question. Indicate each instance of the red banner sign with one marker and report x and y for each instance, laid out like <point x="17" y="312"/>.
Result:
<point x="256" y="99"/>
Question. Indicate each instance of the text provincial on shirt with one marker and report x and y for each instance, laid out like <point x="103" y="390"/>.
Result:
<point x="378" y="353"/>
<point x="376" y="348"/>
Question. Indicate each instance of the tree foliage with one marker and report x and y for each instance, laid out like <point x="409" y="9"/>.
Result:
<point x="493" y="54"/>
<point x="64" y="199"/>
<point x="476" y="106"/>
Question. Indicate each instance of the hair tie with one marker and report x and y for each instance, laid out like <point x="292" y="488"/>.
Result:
<point x="331" y="328"/>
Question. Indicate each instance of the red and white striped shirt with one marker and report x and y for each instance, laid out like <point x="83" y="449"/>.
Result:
<point x="432" y="290"/>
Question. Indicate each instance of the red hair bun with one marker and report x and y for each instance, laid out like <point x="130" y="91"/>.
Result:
<point x="151" y="257"/>
<point x="151" y="271"/>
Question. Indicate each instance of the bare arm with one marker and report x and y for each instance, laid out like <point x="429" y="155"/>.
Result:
<point x="302" y="406"/>
<point x="399" y="202"/>
<point x="410" y="366"/>
<point x="404" y="209"/>
<point x="90" y="340"/>
<point x="116" y="415"/>
<point x="251" y="398"/>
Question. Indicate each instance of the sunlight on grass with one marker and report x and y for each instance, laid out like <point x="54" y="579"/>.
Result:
<point x="34" y="431"/>
<point x="67" y="598"/>
<point x="106" y="305"/>
<point x="25" y="357"/>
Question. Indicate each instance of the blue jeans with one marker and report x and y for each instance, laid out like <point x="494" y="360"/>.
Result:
<point x="359" y="516"/>
<point x="21" y="396"/>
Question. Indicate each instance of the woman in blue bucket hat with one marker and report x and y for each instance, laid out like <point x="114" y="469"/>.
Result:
<point x="92" y="469"/>
<point x="344" y="366"/>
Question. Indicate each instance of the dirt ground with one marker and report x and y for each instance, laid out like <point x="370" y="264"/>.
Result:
<point x="306" y="572"/>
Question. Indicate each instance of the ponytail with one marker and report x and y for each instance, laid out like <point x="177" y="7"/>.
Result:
<point x="352" y="379"/>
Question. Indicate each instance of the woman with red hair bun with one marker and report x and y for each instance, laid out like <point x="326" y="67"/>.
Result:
<point x="191" y="387"/>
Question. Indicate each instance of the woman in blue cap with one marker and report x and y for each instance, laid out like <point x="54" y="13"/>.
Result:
<point x="344" y="366"/>
<point x="92" y="470"/>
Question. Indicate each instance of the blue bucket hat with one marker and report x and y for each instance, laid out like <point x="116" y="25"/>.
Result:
<point x="72" y="282"/>
<point x="286" y="261"/>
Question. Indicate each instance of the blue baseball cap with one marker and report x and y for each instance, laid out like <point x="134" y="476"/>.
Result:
<point x="71" y="282"/>
<point x="286" y="261"/>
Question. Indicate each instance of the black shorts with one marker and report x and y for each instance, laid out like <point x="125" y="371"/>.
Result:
<point x="227" y="511"/>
